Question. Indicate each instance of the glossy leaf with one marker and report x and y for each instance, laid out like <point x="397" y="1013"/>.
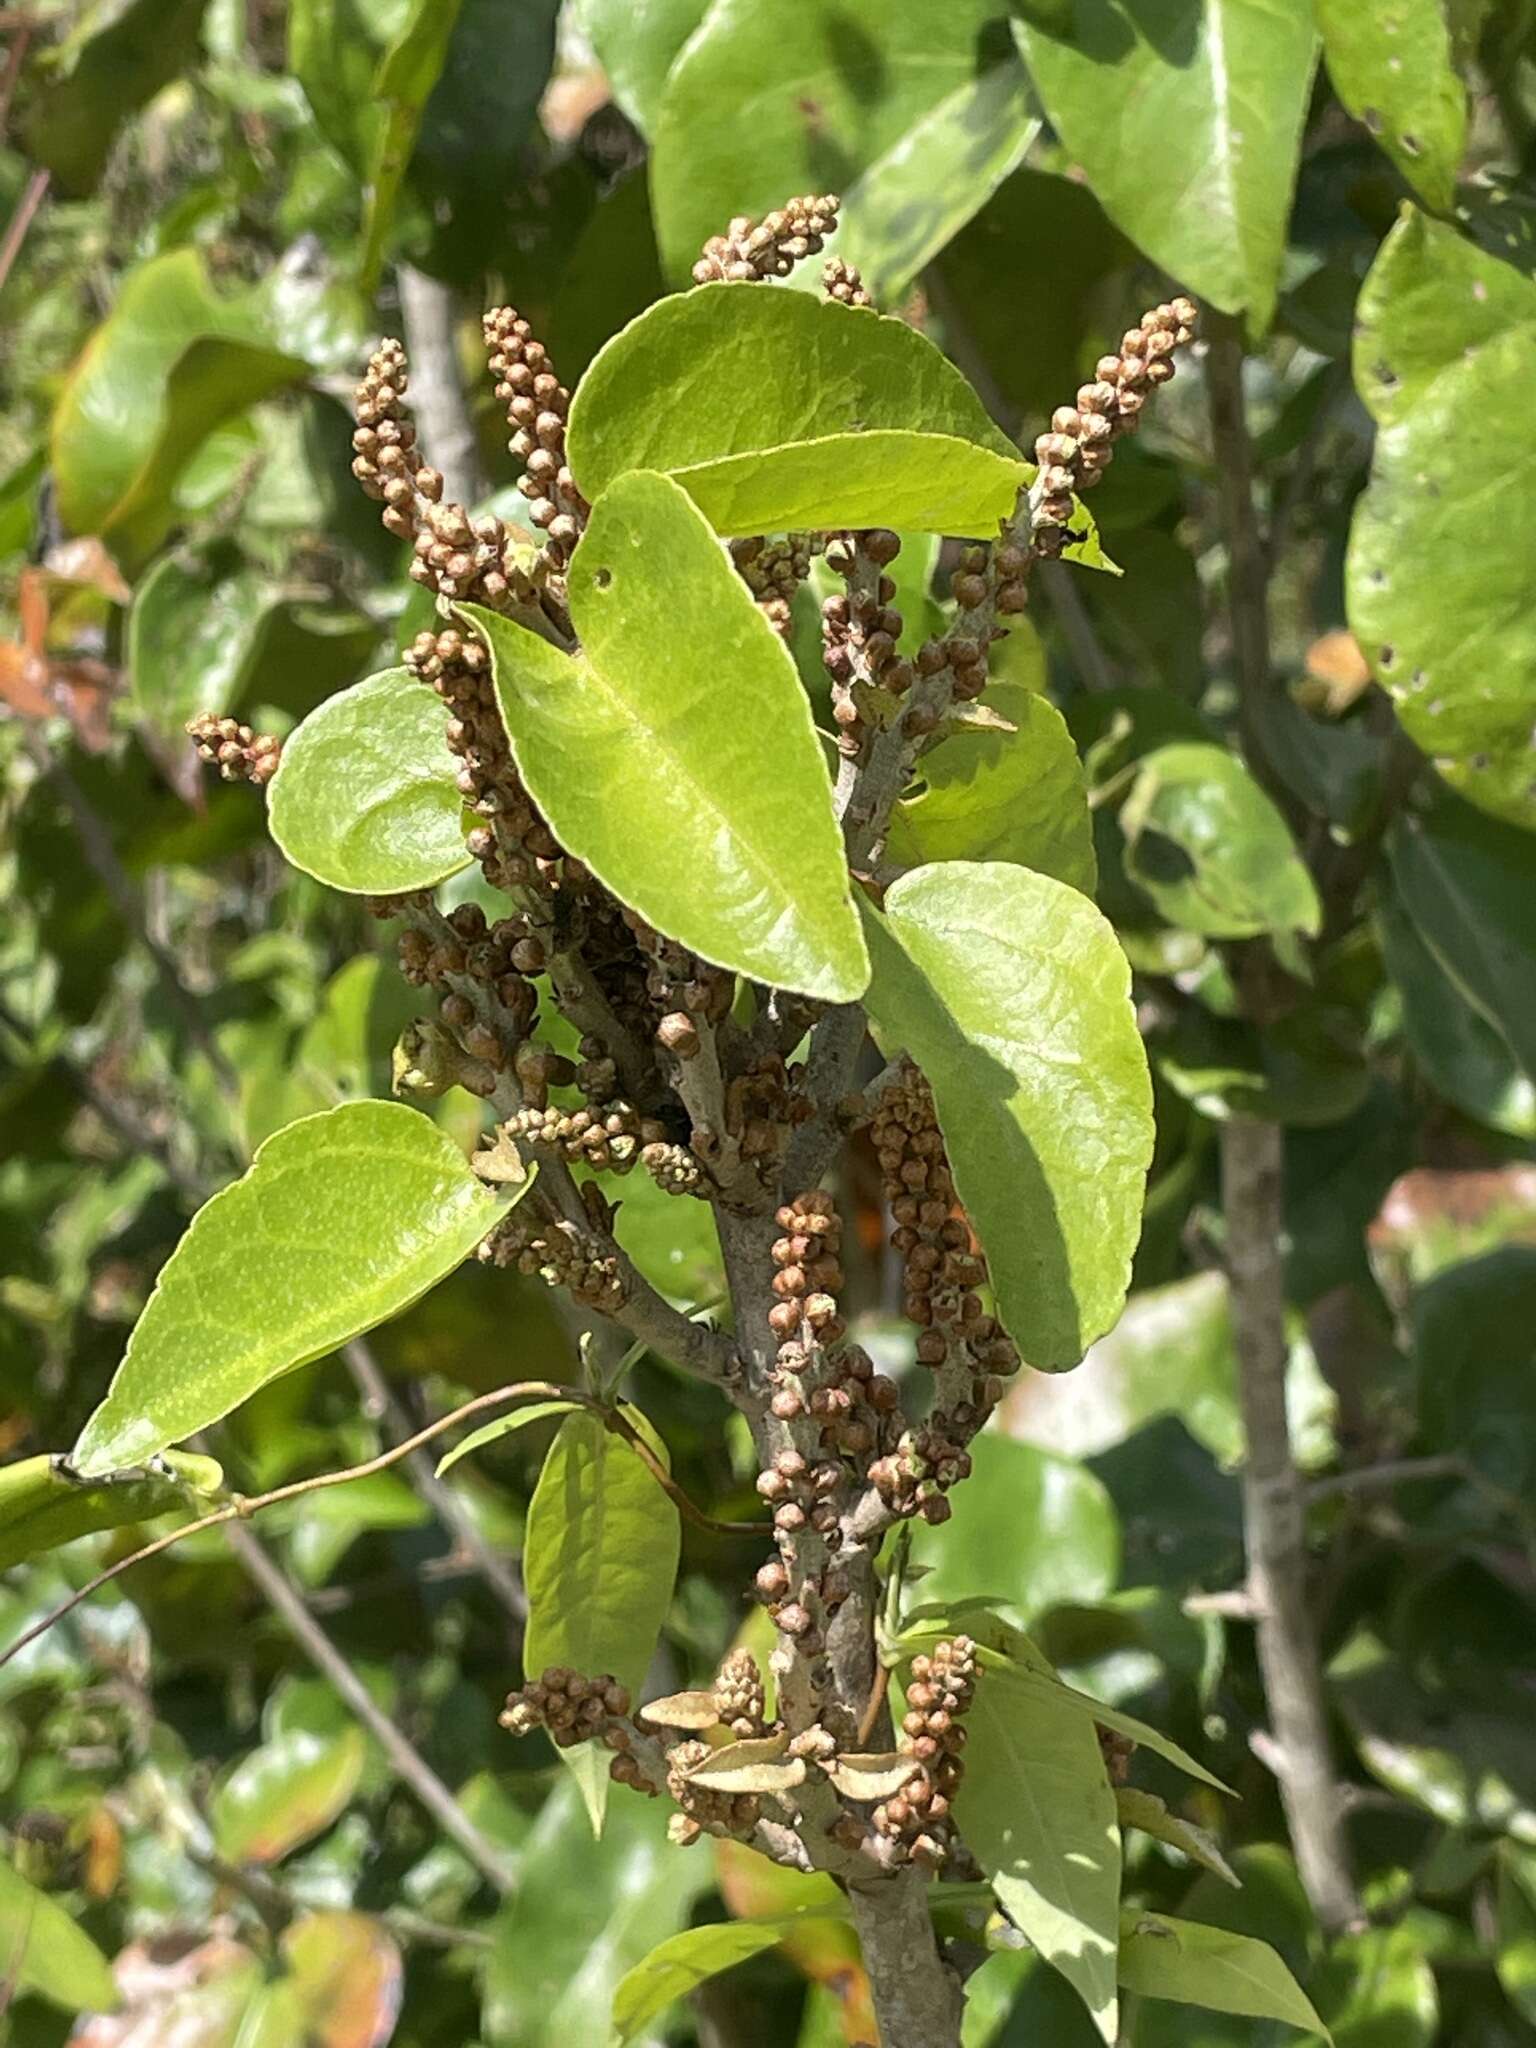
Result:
<point x="42" y="1949"/>
<point x="908" y="204"/>
<point x="599" y="1561"/>
<point x="695" y="787"/>
<point x="115" y="59"/>
<point x="1442" y="596"/>
<point x="341" y="1221"/>
<point x="1187" y="119"/>
<point x="1011" y="993"/>
<point x="365" y="796"/>
<point x="504" y="1425"/>
<point x="171" y="361"/>
<point x="1036" y="1809"/>
<point x="1028" y="1530"/>
<point x="1005" y="796"/>
<point x="42" y="1505"/>
<point x="742" y="126"/>
<point x="1468" y="882"/>
<point x="193" y="636"/>
<point x="1207" y="1966"/>
<point x="1211" y="850"/>
<point x="1465" y="1056"/>
<point x="1144" y="1810"/>
<point x="636" y="42"/>
<point x="684" y="1961"/>
<point x="284" y="1793"/>
<point x="1393" y="66"/>
<point x="887" y="433"/>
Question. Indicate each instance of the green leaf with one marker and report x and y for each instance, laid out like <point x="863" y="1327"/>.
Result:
<point x="504" y="1425"/>
<point x="1007" y="796"/>
<point x="1468" y="882"/>
<point x="1393" y="67"/>
<point x="341" y="1221"/>
<point x="1207" y="1966"/>
<point x="886" y="433"/>
<point x="766" y="101"/>
<point x="599" y="1561"/>
<point x="1515" y="1954"/>
<point x="695" y="788"/>
<point x="193" y="636"/>
<point x="116" y="58"/>
<point x="910" y="203"/>
<point x="170" y="362"/>
<point x="1210" y="848"/>
<point x="365" y="797"/>
<point x="407" y="72"/>
<point x="43" y="1950"/>
<point x="1029" y="1529"/>
<point x="1144" y="1810"/>
<point x="285" y="1793"/>
<point x="1465" y="1056"/>
<point x="562" y="1948"/>
<point x="334" y="47"/>
<point x="1012" y="994"/>
<point x="636" y="42"/>
<point x="43" y="1505"/>
<point x="1441" y="585"/>
<point x="684" y="1961"/>
<point x="1187" y="119"/>
<point x="1036" y="1809"/>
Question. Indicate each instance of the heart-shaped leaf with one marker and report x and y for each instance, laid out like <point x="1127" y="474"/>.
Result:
<point x="1012" y="994"/>
<point x="1441" y="577"/>
<point x="341" y="1221"/>
<point x="695" y="787"/>
<point x="365" y="796"/>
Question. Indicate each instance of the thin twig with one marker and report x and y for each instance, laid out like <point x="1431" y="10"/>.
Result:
<point x="1383" y="1478"/>
<point x="242" y="1507"/>
<point x="33" y="194"/>
<point x="1274" y="1520"/>
<point x="430" y="311"/>
<point x="498" y="1573"/>
<point x="409" y="1766"/>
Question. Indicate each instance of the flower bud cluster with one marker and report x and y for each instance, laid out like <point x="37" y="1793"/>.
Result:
<point x="239" y="754"/>
<point x="860" y="628"/>
<point x="608" y="1139"/>
<point x="773" y="570"/>
<point x="916" y="1820"/>
<point x="562" y="1254"/>
<point x="739" y="1698"/>
<point x="704" y="1810"/>
<point x="513" y="844"/>
<point x="675" y="1170"/>
<point x="537" y="407"/>
<point x="750" y="250"/>
<point x="841" y="281"/>
<point x="572" y="1708"/>
<point x="943" y="1273"/>
<point x="1079" y="446"/>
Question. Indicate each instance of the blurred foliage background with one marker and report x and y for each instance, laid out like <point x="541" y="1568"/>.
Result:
<point x="213" y="207"/>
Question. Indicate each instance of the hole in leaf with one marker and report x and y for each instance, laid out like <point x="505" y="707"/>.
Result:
<point x="602" y="578"/>
<point x="1386" y="657"/>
